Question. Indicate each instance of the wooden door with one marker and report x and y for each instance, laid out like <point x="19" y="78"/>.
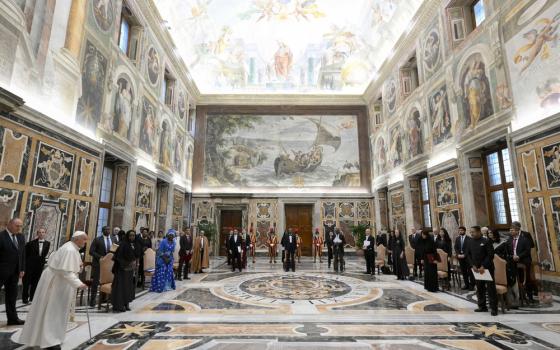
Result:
<point x="300" y="217"/>
<point x="229" y="220"/>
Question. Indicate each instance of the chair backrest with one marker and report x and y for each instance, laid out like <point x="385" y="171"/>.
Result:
<point x="381" y="250"/>
<point x="409" y="253"/>
<point x="149" y="260"/>
<point x="442" y="265"/>
<point x="105" y="267"/>
<point x="500" y="275"/>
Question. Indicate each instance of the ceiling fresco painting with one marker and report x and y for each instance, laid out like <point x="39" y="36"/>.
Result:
<point x="285" y="46"/>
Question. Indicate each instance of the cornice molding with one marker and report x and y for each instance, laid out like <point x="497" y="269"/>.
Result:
<point x="9" y="102"/>
<point x="280" y="99"/>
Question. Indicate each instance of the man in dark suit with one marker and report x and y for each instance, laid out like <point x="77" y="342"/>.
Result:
<point x="369" y="249"/>
<point x="100" y="246"/>
<point x="480" y="256"/>
<point x="12" y="266"/>
<point x="185" y="254"/>
<point x="329" y="244"/>
<point x="144" y="242"/>
<point x="338" y="250"/>
<point x="461" y="243"/>
<point x="282" y="243"/>
<point x="289" y="242"/>
<point x="36" y="252"/>
<point x="235" y="248"/>
<point x="520" y="245"/>
<point x="413" y="240"/>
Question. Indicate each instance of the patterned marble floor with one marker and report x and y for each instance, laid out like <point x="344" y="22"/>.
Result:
<point x="313" y="308"/>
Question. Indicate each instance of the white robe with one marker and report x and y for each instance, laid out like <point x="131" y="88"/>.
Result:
<point x="46" y="322"/>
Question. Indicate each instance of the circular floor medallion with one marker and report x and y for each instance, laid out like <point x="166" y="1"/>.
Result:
<point x="294" y="287"/>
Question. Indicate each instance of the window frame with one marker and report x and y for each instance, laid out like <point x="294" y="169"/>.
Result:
<point x="106" y="205"/>
<point x="124" y="19"/>
<point x="473" y="13"/>
<point x="503" y="186"/>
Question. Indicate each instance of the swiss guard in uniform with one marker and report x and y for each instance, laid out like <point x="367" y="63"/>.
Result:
<point x="317" y="246"/>
<point x="252" y="244"/>
<point x="298" y="247"/>
<point x="272" y="242"/>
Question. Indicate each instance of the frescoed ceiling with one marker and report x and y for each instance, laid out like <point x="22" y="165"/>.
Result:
<point x="285" y="46"/>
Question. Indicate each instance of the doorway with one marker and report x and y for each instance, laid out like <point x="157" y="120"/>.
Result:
<point x="300" y="217"/>
<point x="229" y="219"/>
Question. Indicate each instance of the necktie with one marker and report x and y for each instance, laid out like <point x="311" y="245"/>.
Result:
<point x="462" y="240"/>
<point x="515" y="246"/>
<point x="14" y="239"/>
<point x="107" y="245"/>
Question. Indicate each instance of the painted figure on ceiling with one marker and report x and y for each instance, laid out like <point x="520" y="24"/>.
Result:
<point x="415" y="137"/>
<point x="123" y="108"/>
<point x="477" y="100"/>
<point x="283" y="61"/>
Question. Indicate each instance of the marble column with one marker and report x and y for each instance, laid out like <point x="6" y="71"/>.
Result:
<point x="381" y="209"/>
<point x="412" y="201"/>
<point x="75" y="28"/>
<point x="472" y="189"/>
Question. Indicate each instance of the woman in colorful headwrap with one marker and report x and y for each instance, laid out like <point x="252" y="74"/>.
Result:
<point x="163" y="278"/>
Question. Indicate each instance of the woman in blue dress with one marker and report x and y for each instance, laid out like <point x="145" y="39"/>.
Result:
<point x="163" y="278"/>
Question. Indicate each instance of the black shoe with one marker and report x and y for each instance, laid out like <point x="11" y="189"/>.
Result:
<point x="54" y="347"/>
<point x="16" y="322"/>
<point x="25" y="302"/>
<point x="481" y="310"/>
<point x="187" y="278"/>
<point x="494" y="313"/>
<point x="127" y="308"/>
<point x="179" y="279"/>
<point x="466" y="288"/>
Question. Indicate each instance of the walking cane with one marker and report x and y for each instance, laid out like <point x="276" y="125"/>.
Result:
<point x="90" y="340"/>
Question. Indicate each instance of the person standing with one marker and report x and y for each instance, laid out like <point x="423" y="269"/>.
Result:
<point x="185" y="254"/>
<point x="246" y="248"/>
<point x="12" y="266"/>
<point x="122" y="288"/>
<point x="272" y="242"/>
<point x="55" y="295"/>
<point x="317" y="246"/>
<point x="143" y="242"/>
<point x="369" y="252"/>
<point x="282" y="243"/>
<point x="298" y="247"/>
<point x="413" y="240"/>
<point x="228" y="250"/>
<point x="201" y="253"/>
<point x="520" y="247"/>
<point x="36" y="252"/>
<point x="480" y="254"/>
<point x="428" y="253"/>
<point x="338" y="250"/>
<point x="115" y="238"/>
<point x="289" y="242"/>
<point x="329" y="243"/>
<point x="235" y="247"/>
<point x="163" y="280"/>
<point x="399" y="257"/>
<point x="461" y="243"/>
<point x="100" y="247"/>
<point x="252" y="244"/>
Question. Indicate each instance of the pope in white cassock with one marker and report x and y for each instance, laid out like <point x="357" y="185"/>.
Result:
<point x="45" y="324"/>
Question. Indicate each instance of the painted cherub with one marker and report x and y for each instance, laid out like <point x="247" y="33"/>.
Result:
<point x="538" y="42"/>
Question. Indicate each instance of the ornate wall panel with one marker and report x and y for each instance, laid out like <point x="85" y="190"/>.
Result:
<point x="538" y="163"/>
<point x="143" y="211"/>
<point x="398" y="216"/>
<point x="47" y="180"/>
<point x="345" y="214"/>
<point x="177" y="213"/>
<point x="445" y="202"/>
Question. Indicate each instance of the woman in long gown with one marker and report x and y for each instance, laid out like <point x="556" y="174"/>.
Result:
<point x="399" y="258"/>
<point x="163" y="278"/>
<point x="122" y="289"/>
<point x="443" y="242"/>
<point x="429" y="255"/>
<point x="390" y="255"/>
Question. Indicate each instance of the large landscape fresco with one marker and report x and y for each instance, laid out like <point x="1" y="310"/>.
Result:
<point x="281" y="151"/>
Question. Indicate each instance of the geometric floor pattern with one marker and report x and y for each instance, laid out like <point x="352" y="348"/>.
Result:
<point x="313" y="308"/>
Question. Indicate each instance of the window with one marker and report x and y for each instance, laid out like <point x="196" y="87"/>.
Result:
<point x="463" y="17"/>
<point x="500" y="192"/>
<point x="105" y="198"/>
<point x="130" y="33"/>
<point x="478" y="12"/>
<point x="167" y="89"/>
<point x="409" y="76"/>
<point x="425" y="198"/>
<point x="124" y="35"/>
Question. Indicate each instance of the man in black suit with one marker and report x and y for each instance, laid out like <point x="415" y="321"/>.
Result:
<point x="100" y="246"/>
<point x="185" y="254"/>
<point x="480" y="256"/>
<point x="338" y="250"/>
<point x="144" y="242"/>
<point x="520" y="245"/>
<point x="289" y="232"/>
<point x="289" y="242"/>
<point x="235" y="248"/>
<point x="329" y="244"/>
<point x="12" y="266"/>
<point x="370" y="252"/>
<point x="413" y="240"/>
<point x="461" y="243"/>
<point x="36" y="252"/>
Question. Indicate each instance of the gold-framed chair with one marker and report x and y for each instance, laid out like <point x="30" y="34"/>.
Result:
<point x="105" y="279"/>
<point x="409" y="254"/>
<point x="149" y="265"/>
<point x="380" y="257"/>
<point x="443" y="269"/>
<point x="500" y="279"/>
